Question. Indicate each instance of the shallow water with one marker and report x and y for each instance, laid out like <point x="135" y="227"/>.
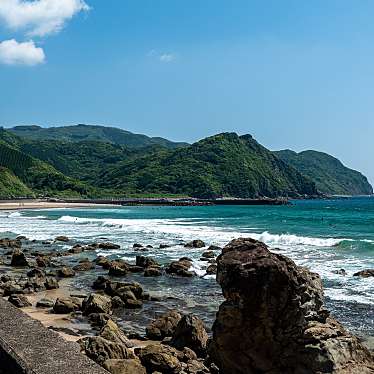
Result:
<point x="324" y="235"/>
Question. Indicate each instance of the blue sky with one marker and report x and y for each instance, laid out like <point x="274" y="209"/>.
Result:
<point x="294" y="74"/>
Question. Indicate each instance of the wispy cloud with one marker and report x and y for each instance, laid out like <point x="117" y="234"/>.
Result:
<point x="26" y="53"/>
<point x="39" y="17"/>
<point x="162" y="56"/>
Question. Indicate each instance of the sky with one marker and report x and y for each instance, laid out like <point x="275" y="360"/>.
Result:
<point x="294" y="74"/>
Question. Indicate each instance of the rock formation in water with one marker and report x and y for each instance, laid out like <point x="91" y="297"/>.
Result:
<point x="273" y="319"/>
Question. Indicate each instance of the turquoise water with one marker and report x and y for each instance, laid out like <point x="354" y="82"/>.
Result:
<point x="324" y="235"/>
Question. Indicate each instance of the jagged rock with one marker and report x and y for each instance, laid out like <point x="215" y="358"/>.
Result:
<point x="66" y="305"/>
<point x="43" y="261"/>
<point x="19" y="259"/>
<point x="45" y="303"/>
<point x="108" y="246"/>
<point x="100" y="349"/>
<point x="51" y="283"/>
<point x="130" y="366"/>
<point x="118" y="268"/>
<point x="146" y="262"/>
<point x="211" y="269"/>
<point x="190" y="332"/>
<point x="96" y="304"/>
<point x="66" y="272"/>
<point x="62" y="238"/>
<point x="158" y="357"/>
<point x="76" y="249"/>
<point x="208" y="254"/>
<point x="84" y="266"/>
<point x="99" y="319"/>
<point x="152" y="272"/>
<point x="163" y="326"/>
<point x="365" y="273"/>
<point x="180" y="268"/>
<point x="102" y="261"/>
<point x="195" y="244"/>
<point x="279" y="307"/>
<point x="35" y="272"/>
<point x="10" y="243"/>
<point x="20" y="301"/>
<point x="113" y="333"/>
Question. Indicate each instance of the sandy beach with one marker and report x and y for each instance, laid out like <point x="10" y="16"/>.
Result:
<point x="39" y="204"/>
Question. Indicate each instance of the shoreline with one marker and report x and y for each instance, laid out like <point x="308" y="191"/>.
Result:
<point x="29" y="205"/>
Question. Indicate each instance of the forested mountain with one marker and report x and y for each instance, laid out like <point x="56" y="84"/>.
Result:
<point x="329" y="174"/>
<point x="82" y="132"/>
<point x="50" y="163"/>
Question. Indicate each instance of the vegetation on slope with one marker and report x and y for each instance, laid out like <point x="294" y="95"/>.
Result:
<point x="329" y="174"/>
<point x="79" y="133"/>
<point x="11" y="186"/>
<point x="221" y="165"/>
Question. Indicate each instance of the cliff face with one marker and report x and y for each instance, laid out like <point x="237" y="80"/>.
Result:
<point x="273" y="319"/>
<point x="329" y="174"/>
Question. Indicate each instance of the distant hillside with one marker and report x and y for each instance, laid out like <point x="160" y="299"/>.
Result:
<point x="81" y="132"/>
<point x="221" y="165"/>
<point x="11" y="186"/>
<point x="329" y="174"/>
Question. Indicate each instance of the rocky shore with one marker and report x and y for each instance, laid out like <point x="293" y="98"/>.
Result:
<point x="272" y="318"/>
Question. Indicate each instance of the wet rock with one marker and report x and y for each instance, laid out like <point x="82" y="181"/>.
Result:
<point x="96" y="304"/>
<point x="20" y="301"/>
<point x="66" y="272"/>
<point x="163" y="326"/>
<point x="190" y="332"/>
<point x="62" y="238"/>
<point x="129" y="366"/>
<point x="365" y="273"/>
<point x="37" y="273"/>
<point x="340" y="272"/>
<point x="180" y="268"/>
<point x="11" y="288"/>
<point x="163" y="246"/>
<point x="84" y="266"/>
<point x="117" y="302"/>
<point x="113" y="333"/>
<point x="102" y="261"/>
<point x="100" y="349"/>
<point x="159" y="358"/>
<point x="280" y="307"/>
<point x="211" y="270"/>
<point x="195" y="244"/>
<point x="152" y="272"/>
<point x="66" y="305"/>
<point x="10" y="243"/>
<point x="146" y="262"/>
<point x="43" y="261"/>
<point x="51" y="283"/>
<point x="99" y="319"/>
<point x="108" y="246"/>
<point x="100" y="283"/>
<point x="45" y="303"/>
<point x="137" y="245"/>
<point x="214" y="248"/>
<point x="208" y="254"/>
<point x="76" y="249"/>
<point x="19" y="259"/>
<point x="118" y="268"/>
<point x="135" y="269"/>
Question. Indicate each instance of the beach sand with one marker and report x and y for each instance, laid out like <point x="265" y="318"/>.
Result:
<point x="36" y="204"/>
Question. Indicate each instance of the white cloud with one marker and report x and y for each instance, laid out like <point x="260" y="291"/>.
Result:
<point x="39" y="17"/>
<point x="26" y="53"/>
<point x="167" y="57"/>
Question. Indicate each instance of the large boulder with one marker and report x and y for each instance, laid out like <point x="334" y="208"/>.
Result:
<point x="190" y="332"/>
<point x="96" y="303"/>
<point x="118" y="268"/>
<point x="146" y="262"/>
<point x="19" y="259"/>
<point x="129" y="366"/>
<point x="66" y="272"/>
<point x="163" y="326"/>
<point x="159" y="358"/>
<point x="100" y="349"/>
<point x="66" y="305"/>
<point x="273" y="319"/>
<point x="180" y="268"/>
<point x="364" y="273"/>
<point x="113" y="333"/>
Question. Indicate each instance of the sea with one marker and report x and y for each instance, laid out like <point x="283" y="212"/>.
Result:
<point x="323" y="235"/>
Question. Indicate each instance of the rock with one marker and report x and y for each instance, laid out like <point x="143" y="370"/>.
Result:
<point x="146" y="262"/>
<point x="214" y="248"/>
<point x="163" y="246"/>
<point x="62" y="238"/>
<point x="99" y="319"/>
<point x="117" y="302"/>
<point x="190" y="332"/>
<point x="76" y="249"/>
<point x="137" y="245"/>
<point x="340" y="272"/>
<point x="130" y="366"/>
<point x="158" y="357"/>
<point x="365" y="273"/>
<point x="10" y="243"/>
<point x="43" y="261"/>
<point x="66" y="272"/>
<point x="152" y="272"/>
<point x="100" y="349"/>
<point x="163" y="326"/>
<point x="51" y="283"/>
<point x="113" y="333"/>
<point x="135" y="269"/>
<point x="279" y="306"/>
<point x="96" y="304"/>
<point x="35" y="272"/>
<point x="102" y="261"/>
<point x="208" y="254"/>
<point x="100" y="283"/>
<point x="118" y="268"/>
<point x="84" y="266"/>
<point x="108" y="246"/>
<point x="180" y="268"/>
<point x="45" y="303"/>
<point x="211" y="270"/>
<point x="66" y="305"/>
<point x="18" y="259"/>
<point x="195" y="244"/>
<point x="20" y="301"/>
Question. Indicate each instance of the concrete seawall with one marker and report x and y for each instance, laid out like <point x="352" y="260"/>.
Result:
<point x="27" y="347"/>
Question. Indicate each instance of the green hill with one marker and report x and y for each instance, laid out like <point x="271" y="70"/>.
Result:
<point x="329" y="174"/>
<point x="82" y="132"/>
<point x="11" y="186"/>
<point x="221" y="165"/>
